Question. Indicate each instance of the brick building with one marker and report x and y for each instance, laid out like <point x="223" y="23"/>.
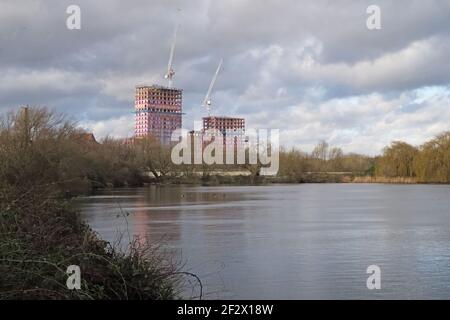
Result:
<point x="233" y="129"/>
<point x="158" y="112"/>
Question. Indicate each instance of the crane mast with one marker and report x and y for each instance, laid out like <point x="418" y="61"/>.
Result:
<point x="170" y="72"/>
<point x="207" y="101"/>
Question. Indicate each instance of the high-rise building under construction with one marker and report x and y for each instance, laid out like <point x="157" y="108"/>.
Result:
<point x="158" y="112"/>
<point x="232" y="129"/>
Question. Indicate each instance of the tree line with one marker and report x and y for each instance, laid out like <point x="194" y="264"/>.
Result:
<point x="38" y="146"/>
<point x="324" y="164"/>
<point x="428" y="163"/>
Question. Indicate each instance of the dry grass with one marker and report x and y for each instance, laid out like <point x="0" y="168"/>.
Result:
<point x="393" y="180"/>
<point x="40" y="237"/>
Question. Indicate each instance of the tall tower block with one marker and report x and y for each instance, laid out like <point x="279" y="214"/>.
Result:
<point x="158" y="112"/>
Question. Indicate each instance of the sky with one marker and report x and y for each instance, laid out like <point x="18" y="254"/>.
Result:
<point x="309" y="68"/>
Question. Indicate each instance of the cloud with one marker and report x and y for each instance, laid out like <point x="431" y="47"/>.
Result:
<point x="364" y="123"/>
<point x="407" y="68"/>
<point x="311" y="68"/>
<point x="121" y="127"/>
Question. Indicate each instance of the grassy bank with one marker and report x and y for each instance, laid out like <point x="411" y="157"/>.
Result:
<point x="40" y="237"/>
<point x="43" y="161"/>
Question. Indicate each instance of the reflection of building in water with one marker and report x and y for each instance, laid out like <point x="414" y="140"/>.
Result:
<point x="156" y="214"/>
<point x="140" y="222"/>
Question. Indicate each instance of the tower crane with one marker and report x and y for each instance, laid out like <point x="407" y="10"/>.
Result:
<point x="207" y="101"/>
<point x="170" y="72"/>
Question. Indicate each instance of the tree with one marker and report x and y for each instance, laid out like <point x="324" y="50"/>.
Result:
<point x="433" y="161"/>
<point x="397" y="160"/>
<point x="336" y="156"/>
<point x="154" y="156"/>
<point x="321" y="151"/>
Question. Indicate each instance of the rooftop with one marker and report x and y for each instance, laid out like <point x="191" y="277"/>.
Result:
<point x="223" y="117"/>
<point x="156" y="86"/>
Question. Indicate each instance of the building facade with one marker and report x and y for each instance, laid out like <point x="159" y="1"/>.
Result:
<point x="232" y="129"/>
<point x="158" y="112"/>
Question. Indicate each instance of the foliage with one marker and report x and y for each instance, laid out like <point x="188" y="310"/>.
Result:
<point x="430" y="163"/>
<point x="397" y="160"/>
<point x="44" y="156"/>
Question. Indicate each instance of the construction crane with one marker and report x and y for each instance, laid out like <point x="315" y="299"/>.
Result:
<point x="170" y="72"/>
<point x="207" y="101"/>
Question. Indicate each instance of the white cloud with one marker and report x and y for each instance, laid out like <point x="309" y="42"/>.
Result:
<point x="121" y="127"/>
<point x="424" y="61"/>
<point x="365" y="123"/>
<point x="51" y="79"/>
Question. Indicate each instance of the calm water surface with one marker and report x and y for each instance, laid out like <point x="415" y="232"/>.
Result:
<point x="292" y="241"/>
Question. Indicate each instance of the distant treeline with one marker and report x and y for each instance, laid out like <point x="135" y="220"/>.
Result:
<point x="428" y="163"/>
<point x="399" y="163"/>
<point x="323" y="164"/>
<point x="60" y="153"/>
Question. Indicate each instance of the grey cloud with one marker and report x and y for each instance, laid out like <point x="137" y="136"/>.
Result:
<point x="282" y="58"/>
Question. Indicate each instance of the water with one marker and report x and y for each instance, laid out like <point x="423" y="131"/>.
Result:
<point x="309" y="241"/>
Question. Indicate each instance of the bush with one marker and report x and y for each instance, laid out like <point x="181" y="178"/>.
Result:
<point x="41" y="237"/>
<point x="43" y="160"/>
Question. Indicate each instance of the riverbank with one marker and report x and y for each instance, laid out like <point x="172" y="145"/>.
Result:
<point x="216" y="180"/>
<point x="387" y="180"/>
<point x="41" y="237"/>
<point x="43" y="162"/>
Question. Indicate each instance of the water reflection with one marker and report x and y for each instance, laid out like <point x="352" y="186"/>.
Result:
<point x="292" y="241"/>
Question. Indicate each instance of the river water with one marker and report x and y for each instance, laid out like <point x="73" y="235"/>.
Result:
<point x="305" y="241"/>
